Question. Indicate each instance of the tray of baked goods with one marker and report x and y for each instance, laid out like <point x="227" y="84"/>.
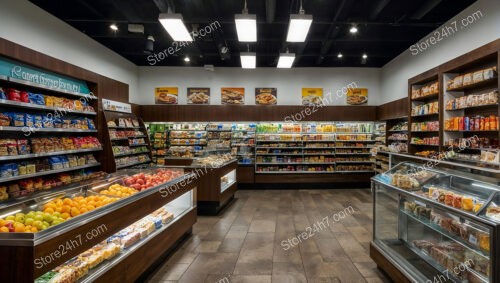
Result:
<point x="408" y="176"/>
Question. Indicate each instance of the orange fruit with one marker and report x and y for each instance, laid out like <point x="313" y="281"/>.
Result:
<point x="90" y="207"/>
<point x="4" y="230"/>
<point x="59" y="209"/>
<point x="67" y="201"/>
<point x="19" y="228"/>
<point x="65" y="215"/>
<point x="66" y="208"/>
<point x="49" y="210"/>
<point x="83" y="210"/>
<point x="34" y="229"/>
<point x="75" y="212"/>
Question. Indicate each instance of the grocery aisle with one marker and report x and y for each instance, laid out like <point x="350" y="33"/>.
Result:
<point x="244" y="244"/>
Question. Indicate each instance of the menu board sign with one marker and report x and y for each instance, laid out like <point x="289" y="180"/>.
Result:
<point x="312" y="96"/>
<point x="357" y="96"/>
<point x="266" y="96"/>
<point x="166" y="95"/>
<point x="233" y="95"/>
<point x="198" y="95"/>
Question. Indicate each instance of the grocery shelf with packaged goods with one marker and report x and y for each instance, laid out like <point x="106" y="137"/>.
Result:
<point x="380" y="133"/>
<point x="187" y="140"/>
<point x="313" y="147"/>
<point x="158" y="133"/>
<point x="48" y="137"/>
<point x="425" y="98"/>
<point x="243" y="142"/>
<point x="471" y="110"/>
<point x="219" y="137"/>
<point x="128" y="138"/>
<point x="428" y="221"/>
<point x="87" y="222"/>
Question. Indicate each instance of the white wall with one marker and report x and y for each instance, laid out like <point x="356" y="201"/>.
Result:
<point x="395" y="74"/>
<point x="289" y="82"/>
<point x="24" y="23"/>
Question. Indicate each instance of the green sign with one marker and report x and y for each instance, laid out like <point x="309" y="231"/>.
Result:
<point x="26" y="73"/>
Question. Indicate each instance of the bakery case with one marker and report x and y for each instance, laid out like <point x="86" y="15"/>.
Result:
<point x="435" y="225"/>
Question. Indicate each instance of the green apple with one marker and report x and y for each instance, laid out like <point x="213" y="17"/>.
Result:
<point x="39" y="217"/>
<point x="56" y="214"/>
<point x="10" y="217"/>
<point x="29" y="221"/>
<point x="38" y="224"/>
<point x="48" y="218"/>
<point x="20" y="218"/>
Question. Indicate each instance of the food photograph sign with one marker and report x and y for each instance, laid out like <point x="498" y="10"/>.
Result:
<point x="166" y="95"/>
<point x="233" y="95"/>
<point x="312" y="96"/>
<point x="266" y="96"/>
<point x="198" y="95"/>
<point x="357" y="96"/>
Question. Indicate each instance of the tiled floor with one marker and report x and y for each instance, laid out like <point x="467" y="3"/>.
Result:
<point x="245" y="243"/>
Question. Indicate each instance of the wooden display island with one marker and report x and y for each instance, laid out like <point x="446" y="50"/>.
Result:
<point x="217" y="188"/>
<point x="217" y="185"/>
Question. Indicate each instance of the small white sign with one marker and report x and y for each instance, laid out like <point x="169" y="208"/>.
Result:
<point x="111" y="105"/>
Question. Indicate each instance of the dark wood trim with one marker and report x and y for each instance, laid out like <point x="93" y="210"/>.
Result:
<point x="197" y="113"/>
<point x="393" y="110"/>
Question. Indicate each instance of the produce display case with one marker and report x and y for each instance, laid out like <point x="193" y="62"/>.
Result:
<point x="432" y="225"/>
<point x="96" y="245"/>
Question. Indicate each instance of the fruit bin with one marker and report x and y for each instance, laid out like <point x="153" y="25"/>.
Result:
<point x="22" y="249"/>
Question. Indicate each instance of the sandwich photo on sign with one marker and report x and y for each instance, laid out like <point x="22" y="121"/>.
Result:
<point x="266" y="96"/>
<point x="198" y="95"/>
<point x="166" y="95"/>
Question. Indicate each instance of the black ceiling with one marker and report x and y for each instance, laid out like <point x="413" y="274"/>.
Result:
<point x="386" y="28"/>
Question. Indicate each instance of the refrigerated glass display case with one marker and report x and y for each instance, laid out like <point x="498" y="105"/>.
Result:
<point x="433" y="225"/>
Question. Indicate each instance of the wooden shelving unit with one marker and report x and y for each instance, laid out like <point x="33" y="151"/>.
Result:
<point x="430" y="114"/>
<point x="137" y="142"/>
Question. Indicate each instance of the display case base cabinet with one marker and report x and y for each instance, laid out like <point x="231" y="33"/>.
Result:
<point x="18" y="262"/>
<point x="212" y="196"/>
<point x="133" y="266"/>
<point x="383" y="263"/>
